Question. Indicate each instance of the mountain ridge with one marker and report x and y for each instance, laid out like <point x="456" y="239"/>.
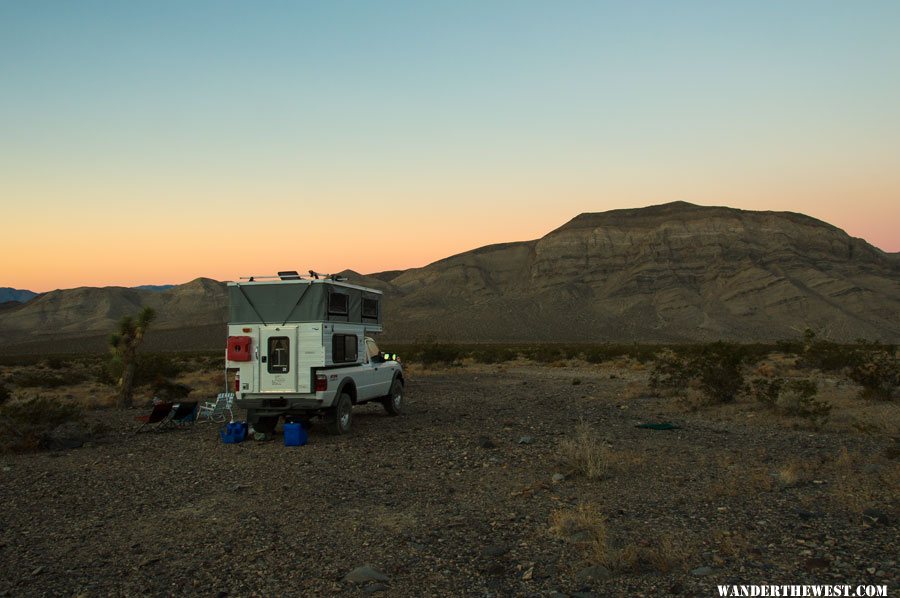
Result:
<point x="674" y="272"/>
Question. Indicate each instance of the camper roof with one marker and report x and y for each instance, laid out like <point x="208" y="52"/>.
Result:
<point x="262" y="280"/>
<point x="298" y="299"/>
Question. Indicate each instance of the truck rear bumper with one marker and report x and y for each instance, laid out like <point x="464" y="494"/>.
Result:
<point x="279" y="405"/>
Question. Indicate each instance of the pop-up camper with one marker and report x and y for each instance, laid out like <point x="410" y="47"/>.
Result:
<point x="300" y="346"/>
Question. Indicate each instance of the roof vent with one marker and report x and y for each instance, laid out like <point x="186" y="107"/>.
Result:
<point x="289" y="275"/>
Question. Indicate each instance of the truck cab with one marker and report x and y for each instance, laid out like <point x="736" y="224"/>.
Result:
<point x="300" y="347"/>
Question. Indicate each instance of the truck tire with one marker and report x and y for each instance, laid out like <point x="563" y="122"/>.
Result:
<point x="393" y="403"/>
<point x="340" y="416"/>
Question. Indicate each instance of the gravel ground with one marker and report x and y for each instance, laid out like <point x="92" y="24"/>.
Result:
<point x="455" y="498"/>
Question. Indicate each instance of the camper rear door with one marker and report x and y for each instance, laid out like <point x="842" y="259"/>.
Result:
<point x="278" y="359"/>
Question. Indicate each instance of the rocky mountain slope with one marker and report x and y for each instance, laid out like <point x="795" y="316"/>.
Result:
<point x="673" y="272"/>
<point x="90" y="311"/>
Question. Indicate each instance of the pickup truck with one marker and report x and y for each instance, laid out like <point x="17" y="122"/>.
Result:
<point x="298" y="349"/>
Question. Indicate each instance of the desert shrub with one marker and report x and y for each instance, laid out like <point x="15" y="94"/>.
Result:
<point x="4" y="394"/>
<point x="596" y="355"/>
<point x="434" y="354"/>
<point x="494" y="355"/>
<point x="716" y="368"/>
<point x="670" y="371"/>
<point x="794" y="398"/>
<point x="545" y="354"/>
<point x="150" y="367"/>
<point x="877" y="371"/>
<point x="570" y="351"/>
<point x="585" y="452"/>
<point x="767" y="390"/>
<point x="46" y="379"/>
<point x="23" y="425"/>
<point x="798" y="399"/>
<point x="642" y="353"/>
<point x="826" y="355"/>
<point x="55" y="363"/>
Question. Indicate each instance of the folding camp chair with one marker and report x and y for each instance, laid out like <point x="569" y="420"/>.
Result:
<point x="217" y="411"/>
<point x="158" y="416"/>
<point x="184" y="415"/>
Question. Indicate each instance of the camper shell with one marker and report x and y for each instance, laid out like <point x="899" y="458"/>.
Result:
<point x="299" y="345"/>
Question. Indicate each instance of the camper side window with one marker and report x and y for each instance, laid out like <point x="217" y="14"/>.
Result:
<point x="344" y="348"/>
<point x="370" y="308"/>
<point x="279" y="355"/>
<point x="338" y="303"/>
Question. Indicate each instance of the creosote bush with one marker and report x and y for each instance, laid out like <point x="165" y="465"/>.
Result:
<point x="716" y="368"/>
<point x="793" y="398"/>
<point x="878" y="372"/>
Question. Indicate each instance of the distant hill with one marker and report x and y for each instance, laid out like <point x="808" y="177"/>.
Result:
<point x="20" y="295"/>
<point x="62" y="315"/>
<point x="155" y="287"/>
<point x="675" y="272"/>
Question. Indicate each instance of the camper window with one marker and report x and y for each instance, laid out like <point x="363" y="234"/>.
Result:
<point x="369" y="308"/>
<point x="279" y="355"/>
<point x="338" y="303"/>
<point x="343" y="348"/>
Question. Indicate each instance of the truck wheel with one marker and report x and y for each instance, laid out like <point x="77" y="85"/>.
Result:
<point x="340" y="416"/>
<point x="393" y="403"/>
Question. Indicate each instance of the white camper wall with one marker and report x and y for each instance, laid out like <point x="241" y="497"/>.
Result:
<point x="312" y="353"/>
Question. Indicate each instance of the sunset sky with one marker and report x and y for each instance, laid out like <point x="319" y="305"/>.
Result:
<point x="155" y="142"/>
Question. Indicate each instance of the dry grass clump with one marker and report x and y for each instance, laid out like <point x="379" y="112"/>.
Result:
<point x="791" y="474"/>
<point x="735" y="476"/>
<point x="585" y="453"/>
<point x="730" y="544"/>
<point x="862" y="482"/>
<point x="663" y="554"/>
<point x="585" y="526"/>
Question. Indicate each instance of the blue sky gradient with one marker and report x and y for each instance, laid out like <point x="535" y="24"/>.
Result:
<point x="476" y="122"/>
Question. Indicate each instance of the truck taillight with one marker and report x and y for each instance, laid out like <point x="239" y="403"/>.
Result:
<point x="321" y="382"/>
<point x="237" y="382"/>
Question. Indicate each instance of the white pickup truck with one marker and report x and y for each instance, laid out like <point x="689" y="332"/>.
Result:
<point x="298" y="348"/>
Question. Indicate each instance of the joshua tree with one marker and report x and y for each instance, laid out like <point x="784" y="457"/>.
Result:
<point x="124" y="345"/>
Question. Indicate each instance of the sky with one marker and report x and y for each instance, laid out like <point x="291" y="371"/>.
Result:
<point x="152" y="142"/>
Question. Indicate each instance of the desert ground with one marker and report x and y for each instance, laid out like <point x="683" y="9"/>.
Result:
<point x="513" y="479"/>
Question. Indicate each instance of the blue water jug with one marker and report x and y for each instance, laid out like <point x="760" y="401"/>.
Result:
<point x="234" y="432"/>
<point x="295" y="435"/>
